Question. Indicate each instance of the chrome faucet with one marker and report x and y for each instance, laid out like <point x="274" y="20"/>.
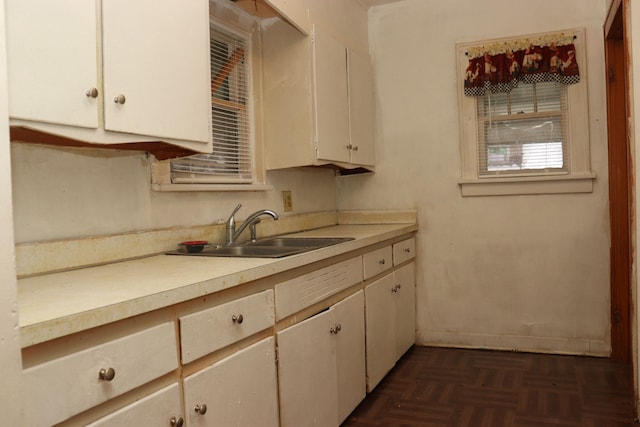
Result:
<point x="251" y="222"/>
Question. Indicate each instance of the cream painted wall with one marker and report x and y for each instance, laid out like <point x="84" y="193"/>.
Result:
<point x="511" y="272"/>
<point x="9" y="331"/>
<point x="70" y="193"/>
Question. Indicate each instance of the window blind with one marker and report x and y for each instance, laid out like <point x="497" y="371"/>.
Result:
<point x="231" y="158"/>
<point x="523" y="131"/>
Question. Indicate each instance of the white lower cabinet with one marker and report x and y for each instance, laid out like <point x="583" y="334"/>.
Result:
<point x="161" y="408"/>
<point x="405" y="308"/>
<point x="206" y="331"/>
<point x="241" y="364"/>
<point x="63" y="387"/>
<point x="240" y="390"/>
<point x="390" y="320"/>
<point x="322" y="365"/>
<point x="350" y="353"/>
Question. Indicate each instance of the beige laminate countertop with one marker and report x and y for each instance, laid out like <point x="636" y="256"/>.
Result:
<point x="59" y="304"/>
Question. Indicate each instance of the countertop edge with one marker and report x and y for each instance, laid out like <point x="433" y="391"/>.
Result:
<point x="38" y="330"/>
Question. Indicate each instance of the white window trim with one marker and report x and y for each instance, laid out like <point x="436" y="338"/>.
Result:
<point x="578" y="179"/>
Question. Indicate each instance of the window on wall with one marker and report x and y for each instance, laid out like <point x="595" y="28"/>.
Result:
<point x="524" y="115"/>
<point x="232" y="158"/>
<point x="523" y="131"/>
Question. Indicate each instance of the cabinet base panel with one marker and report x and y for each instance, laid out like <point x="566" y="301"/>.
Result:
<point x="161" y="150"/>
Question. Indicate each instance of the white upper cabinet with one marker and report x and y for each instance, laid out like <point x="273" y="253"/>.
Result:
<point x="361" y="108"/>
<point x="52" y="61"/>
<point x="294" y="12"/>
<point x="111" y="72"/>
<point x="331" y="98"/>
<point x="156" y="55"/>
<point x="318" y="100"/>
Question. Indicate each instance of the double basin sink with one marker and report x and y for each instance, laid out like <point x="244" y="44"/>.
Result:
<point x="270" y="247"/>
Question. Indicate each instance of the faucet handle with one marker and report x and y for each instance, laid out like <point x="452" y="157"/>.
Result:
<point x="237" y="208"/>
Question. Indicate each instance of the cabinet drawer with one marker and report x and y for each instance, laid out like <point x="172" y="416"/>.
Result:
<point x="306" y="290"/>
<point x="157" y="409"/>
<point x="209" y="330"/>
<point x="377" y="261"/>
<point x="66" y="386"/>
<point x="404" y="250"/>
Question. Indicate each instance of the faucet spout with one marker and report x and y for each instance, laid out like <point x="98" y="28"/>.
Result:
<point x="251" y="222"/>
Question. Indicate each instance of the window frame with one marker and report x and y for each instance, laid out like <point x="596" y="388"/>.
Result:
<point x="577" y="179"/>
<point x="232" y="20"/>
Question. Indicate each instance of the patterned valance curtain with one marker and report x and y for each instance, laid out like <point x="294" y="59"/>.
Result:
<point x="498" y="67"/>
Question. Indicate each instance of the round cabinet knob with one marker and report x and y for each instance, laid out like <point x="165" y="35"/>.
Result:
<point x="92" y="93"/>
<point x="355" y="148"/>
<point x="335" y="329"/>
<point x="349" y="147"/>
<point x="176" y="421"/>
<point x="407" y="250"/>
<point x="200" y="409"/>
<point x="381" y="262"/>
<point x="107" y="374"/>
<point x="237" y="318"/>
<point x="120" y="99"/>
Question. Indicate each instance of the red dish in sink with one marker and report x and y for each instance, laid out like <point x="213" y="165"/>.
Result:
<point x="194" y="246"/>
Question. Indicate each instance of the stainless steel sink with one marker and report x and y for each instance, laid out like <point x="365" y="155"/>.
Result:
<point x="299" y="242"/>
<point x="270" y="247"/>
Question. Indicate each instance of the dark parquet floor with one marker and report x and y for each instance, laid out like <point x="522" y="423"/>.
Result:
<point x="443" y="387"/>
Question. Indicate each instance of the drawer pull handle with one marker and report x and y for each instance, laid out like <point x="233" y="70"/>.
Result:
<point x="381" y="262"/>
<point x="336" y="329"/>
<point x="237" y="318"/>
<point x="176" y="422"/>
<point x="200" y="409"/>
<point x="396" y="288"/>
<point x="107" y="374"/>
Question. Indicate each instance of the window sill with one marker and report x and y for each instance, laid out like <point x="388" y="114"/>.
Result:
<point x="558" y="184"/>
<point x="211" y="187"/>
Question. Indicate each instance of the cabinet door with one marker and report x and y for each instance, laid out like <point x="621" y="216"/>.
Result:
<point x="52" y="61"/>
<point x="361" y="109"/>
<point x="157" y="409"/>
<point x="331" y="100"/>
<point x="307" y="373"/>
<point x="405" y="308"/>
<point x="156" y="55"/>
<point x="350" y="353"/>
<point x="240" y="390"/>
<point x="381" y="336"/>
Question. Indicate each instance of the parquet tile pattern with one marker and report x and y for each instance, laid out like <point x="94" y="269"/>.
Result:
<point x="443" y="387"/>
